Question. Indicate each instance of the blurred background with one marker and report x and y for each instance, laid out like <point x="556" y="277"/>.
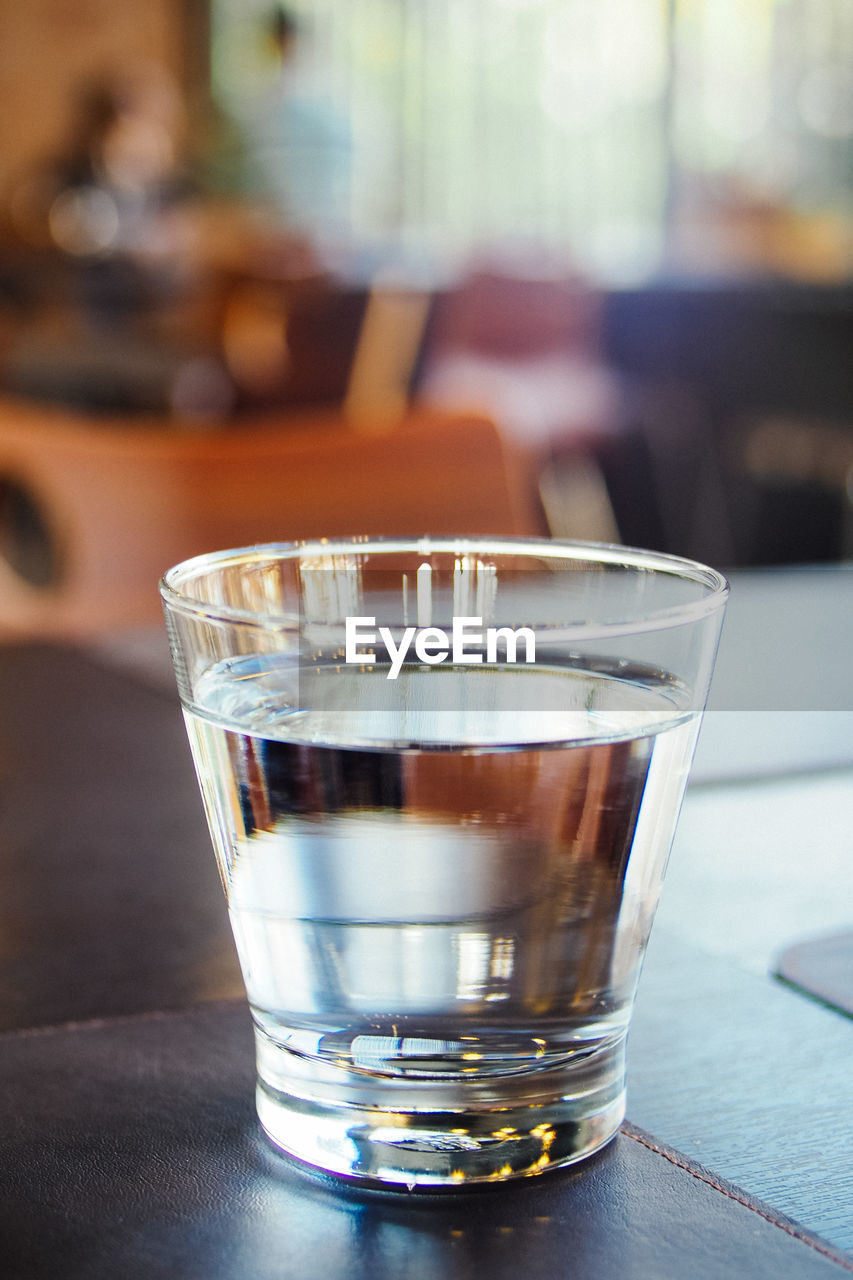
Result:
<point x="579" y="267"/>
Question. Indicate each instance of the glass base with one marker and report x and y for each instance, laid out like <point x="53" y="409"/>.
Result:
<point x="447" y="1133"/>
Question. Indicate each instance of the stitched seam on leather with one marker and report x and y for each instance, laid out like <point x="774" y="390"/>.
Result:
<point x="747" y="1204"/>
<point x="117" y="1020"/>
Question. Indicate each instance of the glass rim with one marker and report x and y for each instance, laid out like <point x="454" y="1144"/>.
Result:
<point x="173" y="582"/>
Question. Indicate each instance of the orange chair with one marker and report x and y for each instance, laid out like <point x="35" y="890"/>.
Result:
<point x="91" y="513"/>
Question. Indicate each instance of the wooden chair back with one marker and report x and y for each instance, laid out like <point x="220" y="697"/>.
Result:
<point x="92" y="512"/>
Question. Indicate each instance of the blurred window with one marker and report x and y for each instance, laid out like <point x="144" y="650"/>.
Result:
<point x="579" y="121"/>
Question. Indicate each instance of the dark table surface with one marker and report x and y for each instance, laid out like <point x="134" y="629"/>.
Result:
<point x="130" y="1145"/>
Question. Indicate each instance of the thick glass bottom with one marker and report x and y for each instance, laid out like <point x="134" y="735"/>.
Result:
<point x="442" y="1134"/>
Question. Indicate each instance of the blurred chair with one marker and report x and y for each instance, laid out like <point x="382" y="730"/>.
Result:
<point x="522" y="340"/>
<point x="665" y="475"/>
<point x="797" y="481"/>
<point x="91" y="514"/>
<point x="576" y="501"/>
<point x="315" y="340"/>
<point x="290" y="342"/>
<point x="519" y="338"/>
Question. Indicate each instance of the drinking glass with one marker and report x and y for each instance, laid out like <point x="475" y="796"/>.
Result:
<point x="442" y="777"/>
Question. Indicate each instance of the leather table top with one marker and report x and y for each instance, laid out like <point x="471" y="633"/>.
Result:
<point x="127" y="1126"/>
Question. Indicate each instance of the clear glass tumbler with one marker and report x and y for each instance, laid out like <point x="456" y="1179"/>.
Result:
<point x="442" y="778"/>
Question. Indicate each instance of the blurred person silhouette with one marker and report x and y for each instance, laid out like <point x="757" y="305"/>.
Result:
<point x="115" y="199"/>
<point x="120" y="210"/>
<point x="300" y="140"/>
